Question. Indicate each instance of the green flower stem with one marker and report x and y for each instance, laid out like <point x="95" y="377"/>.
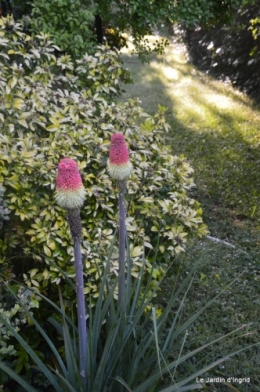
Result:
<point x="122" y="242"/>
<point x="82" y="327"/>
<point x="75" y="227"/>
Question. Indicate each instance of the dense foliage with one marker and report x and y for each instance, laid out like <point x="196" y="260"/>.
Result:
<point x="68" y="23"/>
<point x="76" y="26"/>
<point x="51" y="109"/>
<point x="230" y="52"/>
<point x="15" y="313"/>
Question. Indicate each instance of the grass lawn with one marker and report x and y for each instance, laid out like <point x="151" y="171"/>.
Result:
<point x="217" y="128"/>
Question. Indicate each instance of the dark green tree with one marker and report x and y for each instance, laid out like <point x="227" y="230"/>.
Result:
<point x="78" y="25"/>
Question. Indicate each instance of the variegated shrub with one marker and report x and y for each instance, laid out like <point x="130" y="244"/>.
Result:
<point x="51" y="108"/>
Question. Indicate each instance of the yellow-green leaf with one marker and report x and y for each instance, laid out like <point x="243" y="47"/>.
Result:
<point x="12" y="82"/>
<point x="51" y="245"/>
<point x="23" y="123"/>
<point x="147" y="199"/>
<point x="137" y="251"/>
<point x="33" y="272"/>
<point x="47" y="250"/>
<point x="18" y="103"/>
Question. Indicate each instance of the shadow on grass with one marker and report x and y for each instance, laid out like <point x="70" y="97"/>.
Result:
<point x="212" y="125"/>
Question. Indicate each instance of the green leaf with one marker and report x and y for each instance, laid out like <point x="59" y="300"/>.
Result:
<point x="119" y="379"/>
<point x="16" y="377"/>
<point x="32" y="354"/>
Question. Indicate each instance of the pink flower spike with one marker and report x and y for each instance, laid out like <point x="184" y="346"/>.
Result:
<point x="70" y="192"/>
<point x="119" y="165"/>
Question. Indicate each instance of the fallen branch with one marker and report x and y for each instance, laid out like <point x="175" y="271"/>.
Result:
<point x="214" y="239"/>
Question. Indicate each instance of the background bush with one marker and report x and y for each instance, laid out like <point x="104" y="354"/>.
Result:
<point x="68" y="22"/>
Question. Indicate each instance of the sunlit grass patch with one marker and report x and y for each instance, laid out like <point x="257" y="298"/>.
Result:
<point x="215" y="126"/>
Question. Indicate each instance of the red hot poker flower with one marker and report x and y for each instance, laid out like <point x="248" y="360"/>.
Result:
<point x="119" y="165"/>
<point x="70" y="192"/>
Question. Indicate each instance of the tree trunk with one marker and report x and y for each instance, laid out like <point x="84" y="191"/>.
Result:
<point x="99" y="29"/>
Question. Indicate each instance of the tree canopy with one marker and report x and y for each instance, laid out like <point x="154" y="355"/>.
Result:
<point x="77" y="26"/>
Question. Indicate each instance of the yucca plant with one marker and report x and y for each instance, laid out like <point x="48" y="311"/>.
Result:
<point x="135" y="348"/>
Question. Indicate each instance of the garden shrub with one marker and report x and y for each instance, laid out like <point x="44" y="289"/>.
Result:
<point x="15" y="314"/>
<point x="50" y="109"/>
<point x="5" y="348"/>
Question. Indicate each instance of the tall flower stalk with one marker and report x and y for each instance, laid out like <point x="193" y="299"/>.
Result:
<point x="119" y="167"/>
<point x="70" y="194"/>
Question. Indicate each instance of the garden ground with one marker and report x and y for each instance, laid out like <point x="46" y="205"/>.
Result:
<point x="217" y="128"/>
